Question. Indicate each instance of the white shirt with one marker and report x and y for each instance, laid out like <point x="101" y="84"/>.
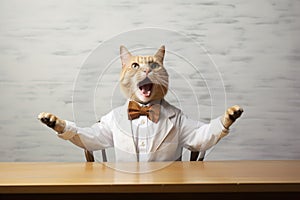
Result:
<point x="143" y="140"/>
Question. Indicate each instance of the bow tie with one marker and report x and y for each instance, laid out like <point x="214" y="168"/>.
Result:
<point x="135" y="111"/>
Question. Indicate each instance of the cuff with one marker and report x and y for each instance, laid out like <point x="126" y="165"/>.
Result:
<point x="224" y="131"/>
<point x="69" y="132"/>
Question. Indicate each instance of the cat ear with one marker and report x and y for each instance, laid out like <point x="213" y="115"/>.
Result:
<point x="125" y="55"/>
<point x="160" y="54"/>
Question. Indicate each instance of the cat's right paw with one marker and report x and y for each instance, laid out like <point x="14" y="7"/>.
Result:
<point x="52" y="121"/>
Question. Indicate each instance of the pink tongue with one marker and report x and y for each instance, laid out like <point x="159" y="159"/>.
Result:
<point x="146" y="90"/>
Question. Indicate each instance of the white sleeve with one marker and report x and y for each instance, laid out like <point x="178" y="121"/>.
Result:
<point x="98" y="136"/>
<point x="198" y="136"/>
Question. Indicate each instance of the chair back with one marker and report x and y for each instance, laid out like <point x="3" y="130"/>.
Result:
<point x="89" y="156"/>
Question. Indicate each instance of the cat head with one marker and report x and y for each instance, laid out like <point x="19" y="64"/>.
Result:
<point x="143" y="78"/>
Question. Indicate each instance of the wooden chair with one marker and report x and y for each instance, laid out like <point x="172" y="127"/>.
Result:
<point x="197" y="156"/>
<point x="89" y="156"/>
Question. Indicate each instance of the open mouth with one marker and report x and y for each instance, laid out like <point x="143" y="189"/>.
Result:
<point x="145" y="87"/>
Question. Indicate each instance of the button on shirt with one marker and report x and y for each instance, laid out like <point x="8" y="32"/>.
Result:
<point x="142" y="131"/>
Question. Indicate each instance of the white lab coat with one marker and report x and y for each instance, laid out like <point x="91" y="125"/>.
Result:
<point x="163" y="141"/>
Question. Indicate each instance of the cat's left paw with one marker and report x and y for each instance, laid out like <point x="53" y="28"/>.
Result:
<point x="231" y="115"/>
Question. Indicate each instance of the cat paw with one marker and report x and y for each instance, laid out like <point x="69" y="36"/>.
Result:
<point x="52" y="121"/>
<point x="231" y="115"/>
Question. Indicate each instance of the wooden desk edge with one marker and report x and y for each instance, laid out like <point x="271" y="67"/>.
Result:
<point x="152" y="188"/>
<point x="239" y="185"/>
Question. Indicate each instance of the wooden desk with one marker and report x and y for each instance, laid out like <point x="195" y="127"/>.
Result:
<point x="279" y="179"/>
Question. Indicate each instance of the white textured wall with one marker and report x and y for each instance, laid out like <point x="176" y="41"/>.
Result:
<point x="255" y="44"/>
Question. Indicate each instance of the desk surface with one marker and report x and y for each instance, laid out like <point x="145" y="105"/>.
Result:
<point x="208" y="176"/>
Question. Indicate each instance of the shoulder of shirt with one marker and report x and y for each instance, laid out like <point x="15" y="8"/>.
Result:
<point x="118" y="111"/>
<point x="171" y="109"/>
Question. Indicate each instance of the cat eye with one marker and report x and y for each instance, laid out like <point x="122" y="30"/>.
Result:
<point x="154" y="65"/>
<point x="135" y="65"/>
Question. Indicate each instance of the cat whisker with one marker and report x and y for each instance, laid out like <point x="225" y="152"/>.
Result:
<point x="161" y="81"/>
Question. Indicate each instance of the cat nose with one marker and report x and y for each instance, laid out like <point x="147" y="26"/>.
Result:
<point x="147" y="71"/>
